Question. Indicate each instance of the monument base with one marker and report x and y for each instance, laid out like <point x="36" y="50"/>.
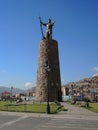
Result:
<point x="48" y="81"/>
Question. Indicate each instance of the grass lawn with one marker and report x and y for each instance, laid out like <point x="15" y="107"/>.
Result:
<point x="93" y="107"/>
<point x="34" y="108"/>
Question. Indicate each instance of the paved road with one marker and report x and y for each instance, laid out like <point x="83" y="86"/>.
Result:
<point x="73" y="119"/>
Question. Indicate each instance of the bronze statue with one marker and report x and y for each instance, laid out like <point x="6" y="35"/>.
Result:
<point x="48" y="26"/>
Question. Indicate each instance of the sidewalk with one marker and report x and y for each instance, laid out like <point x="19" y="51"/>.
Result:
<point x="77" y="112"/>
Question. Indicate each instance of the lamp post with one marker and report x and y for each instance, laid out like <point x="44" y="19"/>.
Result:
<point x="11" y="92"/>
<point x="93" y="90"/>
<point x="55" y="85"/>
<point x="47" y="68"/>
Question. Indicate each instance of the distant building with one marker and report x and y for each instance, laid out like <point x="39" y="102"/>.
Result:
<point x="32" y="94"/>
<point x="65" y="91"/>
<point x="6" y="94"/>
<point x="19" y="95"/>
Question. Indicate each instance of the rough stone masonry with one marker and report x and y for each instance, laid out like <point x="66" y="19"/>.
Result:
<point x="48" y="52"/>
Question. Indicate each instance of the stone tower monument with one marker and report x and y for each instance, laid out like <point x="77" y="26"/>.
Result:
<point x="48" y="73"/>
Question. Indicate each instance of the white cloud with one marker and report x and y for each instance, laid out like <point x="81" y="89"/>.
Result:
<point x="95" y="69"/>
<point x="95" y="74"/>
<point x="62" y="81"/>
<point x="29" y="85"/>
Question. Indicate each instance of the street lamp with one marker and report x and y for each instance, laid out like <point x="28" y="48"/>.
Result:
<point x="47" y="68"/>
<point x="55" y="85"/>
<point x="11" y="92"/>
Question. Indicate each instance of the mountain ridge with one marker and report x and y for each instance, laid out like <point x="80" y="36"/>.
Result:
<point x="7" y="89"/>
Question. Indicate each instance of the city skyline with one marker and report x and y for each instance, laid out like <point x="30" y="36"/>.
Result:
<point x="75" y="29"/>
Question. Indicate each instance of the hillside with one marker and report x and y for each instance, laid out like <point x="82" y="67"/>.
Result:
<point x="15" y="90"/>
<point x="90" y="82"/>
<point x="87" y="87"/>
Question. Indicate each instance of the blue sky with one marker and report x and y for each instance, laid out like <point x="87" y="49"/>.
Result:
<point x="76" y="30"/>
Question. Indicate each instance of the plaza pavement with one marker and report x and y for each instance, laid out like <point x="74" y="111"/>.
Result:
<point x="73" y="118"/>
